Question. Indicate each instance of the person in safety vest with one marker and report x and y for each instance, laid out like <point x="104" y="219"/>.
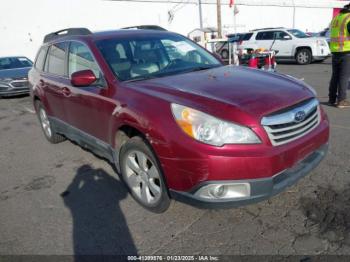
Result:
<point x="340" y="48"/>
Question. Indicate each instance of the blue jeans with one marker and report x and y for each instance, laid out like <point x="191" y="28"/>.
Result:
<point x="340" y="77"/>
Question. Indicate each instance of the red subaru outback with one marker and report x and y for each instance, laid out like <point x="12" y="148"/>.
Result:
<point x="175" y="121"/>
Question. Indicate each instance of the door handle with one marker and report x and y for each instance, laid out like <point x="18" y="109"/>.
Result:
<point x="66" y="91"/>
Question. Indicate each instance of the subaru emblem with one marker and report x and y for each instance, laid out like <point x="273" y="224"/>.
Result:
<point x="299" y="116"/>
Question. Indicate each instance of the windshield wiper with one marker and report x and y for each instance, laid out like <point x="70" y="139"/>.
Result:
<point x="169" y="73"/>
<point x="200" y="68"/>
<point x="140" y="78"/>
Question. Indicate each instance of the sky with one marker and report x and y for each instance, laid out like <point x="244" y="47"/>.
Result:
<point x="23" y="24"/>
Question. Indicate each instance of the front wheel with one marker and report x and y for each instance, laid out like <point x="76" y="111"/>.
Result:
<point x="303" y="56"/>
<point x="143" y="176"/>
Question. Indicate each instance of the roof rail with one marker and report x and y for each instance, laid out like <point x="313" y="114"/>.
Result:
<point x="267" y="28"/>
<point x="149" y="27"/>
<point x="66" y="32"/>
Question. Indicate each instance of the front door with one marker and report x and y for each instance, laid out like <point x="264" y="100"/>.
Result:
<point x="89" y="108"/>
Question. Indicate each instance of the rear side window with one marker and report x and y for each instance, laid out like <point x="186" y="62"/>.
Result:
<point x="246" y="37"/>
<point x="40" y="59"/>
<point x="80" y="58"/>
<point x="265" y="35"/>
<point x="55" y="59"/>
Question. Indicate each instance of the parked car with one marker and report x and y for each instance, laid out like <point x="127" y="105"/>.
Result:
<point x="175" y="121"/>
<point x="291" y="44"/>
<point x="14" y="75"/>
<point x="222" y="47"/>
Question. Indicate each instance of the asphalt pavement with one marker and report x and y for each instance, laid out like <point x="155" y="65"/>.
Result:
<point x="60" y="199"/>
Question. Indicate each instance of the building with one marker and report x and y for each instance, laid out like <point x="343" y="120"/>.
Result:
<point x="23" y="24"/>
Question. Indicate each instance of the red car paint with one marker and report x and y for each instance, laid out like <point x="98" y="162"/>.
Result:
<point x="235" y="94"/>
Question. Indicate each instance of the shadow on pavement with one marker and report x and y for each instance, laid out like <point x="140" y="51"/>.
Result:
<point x="99" y="226"/>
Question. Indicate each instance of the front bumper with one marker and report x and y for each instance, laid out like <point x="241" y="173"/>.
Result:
<point x="14" y="92"/>
<point x="260" y="189"/>
<point x="319" y="58"/>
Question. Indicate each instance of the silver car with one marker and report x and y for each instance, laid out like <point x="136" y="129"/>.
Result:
<point x="14" y="75"/>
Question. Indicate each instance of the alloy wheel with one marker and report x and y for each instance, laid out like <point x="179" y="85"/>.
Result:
<point x="45" y="123"/>
<point x="303" y="57"/>
<point x="143" y="177"/>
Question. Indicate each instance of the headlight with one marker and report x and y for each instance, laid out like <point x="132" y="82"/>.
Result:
<point x="321" y="42"/>
<point x="211" y="130"/>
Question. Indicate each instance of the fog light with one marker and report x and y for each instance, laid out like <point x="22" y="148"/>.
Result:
<point x="224" y="191"/>
<point x="218" y="191"/>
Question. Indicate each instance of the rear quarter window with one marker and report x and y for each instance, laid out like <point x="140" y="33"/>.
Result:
<point x="40" y="58"/>
<point x="246" y="37"/>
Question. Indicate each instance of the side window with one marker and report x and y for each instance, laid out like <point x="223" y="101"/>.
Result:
<point x="280" y="34"/>
<point x="80" y="58"/>
<point x="268" y="35"/>
<point x="40" y="58"/>
<point x="55" y="59"/>
<point x="247" y="36"/>
<point x="121" y="51"/>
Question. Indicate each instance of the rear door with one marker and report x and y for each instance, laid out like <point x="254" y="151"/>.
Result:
<point x="53" y="79"/>
<point x="89" y="108"/>
<point x="283" y="43"/>
<point x="264" y="39"/>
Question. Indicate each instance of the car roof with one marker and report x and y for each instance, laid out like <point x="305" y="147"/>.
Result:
<point x="99" y="35"/>
<point x="18" y="56"/>
<point x="268" y="29"/>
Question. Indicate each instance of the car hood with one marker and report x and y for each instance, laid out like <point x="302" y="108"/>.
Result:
<point x="253" y="91"/>
<point x="310" y="39"/>
<point x="15" y="73"/>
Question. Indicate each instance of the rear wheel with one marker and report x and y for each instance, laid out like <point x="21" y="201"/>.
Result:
<point x="143" y="176"/>
<point x="303" y="56"/>
<point x="46" y="125"/>
<point x="224" y="54"/>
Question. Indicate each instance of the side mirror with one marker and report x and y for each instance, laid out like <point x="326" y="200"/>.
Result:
<point x="83" y="78"/>
<point x="286" y="37"/>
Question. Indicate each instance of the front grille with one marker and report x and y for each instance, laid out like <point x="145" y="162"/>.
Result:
<point x="289" y="125"/>
<point x="19" y="83"/>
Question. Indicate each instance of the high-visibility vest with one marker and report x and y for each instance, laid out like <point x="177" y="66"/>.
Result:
<point x="340" y="37"/>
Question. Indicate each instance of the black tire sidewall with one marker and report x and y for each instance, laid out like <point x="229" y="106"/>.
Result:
<point x="224" y="52"/>
<point x="137" y="143"/>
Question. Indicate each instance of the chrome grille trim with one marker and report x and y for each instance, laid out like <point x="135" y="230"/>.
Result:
<point x="283" y="128"/>
<point x="19" y="83"/>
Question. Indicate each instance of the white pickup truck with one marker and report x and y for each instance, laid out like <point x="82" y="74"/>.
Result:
<point x="291" y="44"/>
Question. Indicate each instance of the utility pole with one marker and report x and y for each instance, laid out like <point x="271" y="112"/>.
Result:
<point x="200" y="14"/>
<point x="218" y="11"/>
<point x="293" y="14"/>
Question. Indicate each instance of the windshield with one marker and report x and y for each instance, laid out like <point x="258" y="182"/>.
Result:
<point x="14" y="62"/>
<point x="149" y="57"/>
<point x="297" y="33"/>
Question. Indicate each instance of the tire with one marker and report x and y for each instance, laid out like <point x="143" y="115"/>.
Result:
<point x="46" y="126"/>
<point x="224" y="54"/>
<point x="143" y="176"/>
<point x="303" y="56"/>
